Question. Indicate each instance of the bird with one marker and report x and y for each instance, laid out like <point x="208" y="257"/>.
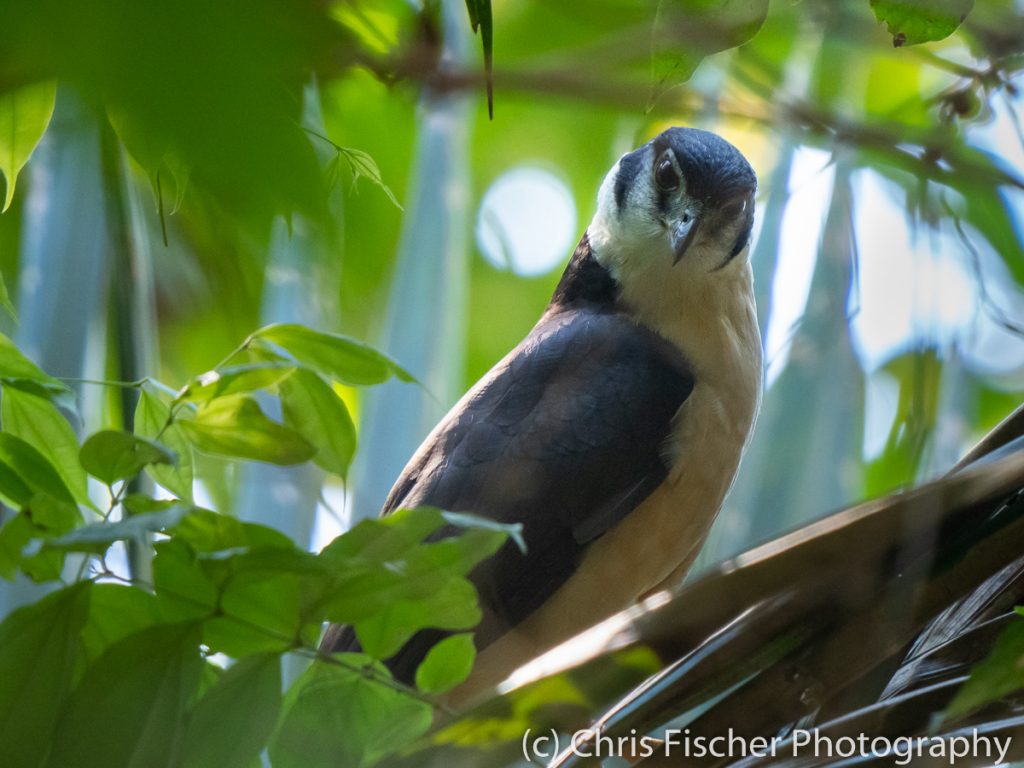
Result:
<point x="613" y="431"/>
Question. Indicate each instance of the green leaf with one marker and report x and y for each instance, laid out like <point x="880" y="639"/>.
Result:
<point x="339" y="716"/>
<point x="364" y="166"/>
<point x="313" y="410"/>
<point x="480" y="18"/>
<point x="24" y="115"/>
<point x="151" y="419"/>
<point x="235" y="426"/>
<point x="5" y="300"/>
<point x="32" y="468"/>
<point x="260" y="614"/>
<point x="680" y="36"/>
<point x="15" y="534"/>
<point x="447" y="664"/>
<point x="116" y="611"/>
<point x="386" y="538"/>
<point x="339" y="357"/>
<point x="15" y="366"/>
<point x="186" y="592"/>
<point x="999" y="674"/>
<point x="469" y="521"/>
<point x="37" y="421"/>
<point x="440" y="603"/>
<point x="474" y="14"/>
<point x="235" y="379"/>
<point x="919" y="375"/>
<point x="39" y="645"/>
<point x="230" y="725"/>
<point x="113" y="455"/>
<point x="12" y="488"/>
<point x="97" y="537"/>
<point x="920" y="21"/>
<point x="405" y="585"/>
<point x="207" y="531"/>
<point x="129" y="708"/>
<point x="42" y="517"/>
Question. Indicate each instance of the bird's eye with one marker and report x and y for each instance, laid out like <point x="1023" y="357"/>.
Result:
<point x="665" y="175"/>
<point x="735" y="208"/>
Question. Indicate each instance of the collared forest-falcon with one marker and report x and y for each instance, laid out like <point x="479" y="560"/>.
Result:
<point x="614" y="430"/>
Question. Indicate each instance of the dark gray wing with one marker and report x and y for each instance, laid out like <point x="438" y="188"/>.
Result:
<point x="566" y="435"/>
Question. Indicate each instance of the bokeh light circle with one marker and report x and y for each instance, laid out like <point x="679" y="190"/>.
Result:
<point x="527" y="222"/>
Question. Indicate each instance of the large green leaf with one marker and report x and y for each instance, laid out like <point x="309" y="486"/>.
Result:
<point x="920" y="21"/>
<point x="129" y="708"/>
<point x="39" y="644"/>
<point x="230" y="725"/>
<point x="112" y="455"/>
<point x="339" y="716"/>
<point x="313" y="410"/>
<point x="24" y="115"/>
<point x="235" y="426"/>
<point x="347" y="360"/>
<point x="152" y="417"/>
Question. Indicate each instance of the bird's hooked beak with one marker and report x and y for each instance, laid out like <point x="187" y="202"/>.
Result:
<point x="681" y="234"/>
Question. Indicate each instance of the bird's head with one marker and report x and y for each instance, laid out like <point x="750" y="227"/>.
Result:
<point x="682" y="204"/>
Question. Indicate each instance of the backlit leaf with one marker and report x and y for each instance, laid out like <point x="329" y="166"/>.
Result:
<point x="37" y="421"/>
<point x="363" y="165"/>
<point x="113" y="455"/>
<point x="14" y="365"/>
<point x="151" y="420"/>
<point x="347" y="360"/>
<point x="32" y="468"/>
<point x="920" y="21"/>
<point x="24" y="115"/>
<point x="313" y="410"/>
<point x="235" y="426"/>
<point x="339" y="716"/>
<point x="447" y="664"/>
<point x="238" y="378"/>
